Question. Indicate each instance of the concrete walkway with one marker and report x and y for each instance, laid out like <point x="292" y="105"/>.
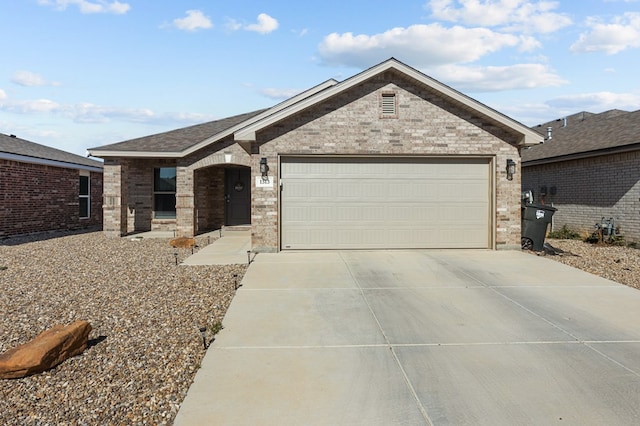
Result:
<point x="230" y="249"/>
<point x="421" y="338"/>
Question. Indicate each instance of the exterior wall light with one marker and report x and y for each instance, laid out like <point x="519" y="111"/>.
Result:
<point x="511" y="169"/>
<point x="264" y="167"/>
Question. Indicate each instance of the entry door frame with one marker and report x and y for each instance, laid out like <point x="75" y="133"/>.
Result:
<point x="237" y="196"/>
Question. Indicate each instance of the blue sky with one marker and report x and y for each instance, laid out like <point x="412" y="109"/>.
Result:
<point x="77" y="74"/>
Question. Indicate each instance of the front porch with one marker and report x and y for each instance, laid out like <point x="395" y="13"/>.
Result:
<point x="143" y="195"/>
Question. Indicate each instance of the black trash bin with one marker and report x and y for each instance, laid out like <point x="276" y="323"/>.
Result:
<point x="535" y="219"/>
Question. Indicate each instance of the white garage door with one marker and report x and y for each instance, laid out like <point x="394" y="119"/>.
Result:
<point x="361" y="203"/>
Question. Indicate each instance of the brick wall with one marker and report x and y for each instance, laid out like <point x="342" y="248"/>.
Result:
<point x="209" y="198"/>
<point x="38" y="198"/>
<point x="588" y="189"/>
<point x="128" y="196"/>
<point x="350" y="123"/>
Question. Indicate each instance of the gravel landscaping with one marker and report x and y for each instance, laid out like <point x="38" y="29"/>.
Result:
<point x="616" y="263"/>
<point x="145" y="346"/>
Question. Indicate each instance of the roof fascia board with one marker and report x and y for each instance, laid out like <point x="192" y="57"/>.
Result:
<point x="146" y="154"/>
<point x="578" y="156"/>
<point x="46" y="162"/>
<point x="530" y="137"/>
<point x="282" y="105"/>
<point x="218" y="136"/>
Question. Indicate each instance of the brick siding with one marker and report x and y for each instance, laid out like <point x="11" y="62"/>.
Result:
<point x="351" y="124"/>
<point x="588" y="189"/>
<point x="348" y="124"/>
<point x="39" y="198"/>
<point x="128" y="191"/>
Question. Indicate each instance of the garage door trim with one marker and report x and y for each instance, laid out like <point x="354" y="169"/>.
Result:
<point x="487" y="162"/>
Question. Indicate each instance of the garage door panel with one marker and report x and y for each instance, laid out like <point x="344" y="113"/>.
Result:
<point x="384" y="203"/>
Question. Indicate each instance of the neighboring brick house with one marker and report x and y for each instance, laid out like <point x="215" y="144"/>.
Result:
<point x="388" y="158"/>
<point x="589" y="168"/>
<point x="46" y="189"/>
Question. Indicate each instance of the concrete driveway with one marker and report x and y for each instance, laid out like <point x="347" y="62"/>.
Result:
<point x="419" y="338"/>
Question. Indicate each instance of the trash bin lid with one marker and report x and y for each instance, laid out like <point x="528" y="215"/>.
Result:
<point x="541" y="207"/>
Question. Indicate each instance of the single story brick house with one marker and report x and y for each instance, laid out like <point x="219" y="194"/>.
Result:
<point x="46" y="189"/>
<point x="389" y="158"/>
<point x="588" y="168"/>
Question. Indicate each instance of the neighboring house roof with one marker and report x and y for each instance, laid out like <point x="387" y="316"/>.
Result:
<point x="586" y="135"/>
<point x="17" y="149"/>
<point x="181" y="142"/>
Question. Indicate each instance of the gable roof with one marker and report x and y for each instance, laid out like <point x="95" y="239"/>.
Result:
<point x="17" y="149"/>
<point x="181" y="142"/>
<point x="172" y="142"/>
<point x="586" y="135"/>
<point x="528" y="136"/>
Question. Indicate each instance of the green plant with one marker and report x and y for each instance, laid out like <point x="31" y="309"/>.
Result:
<point x="617" y="240"/>
<point x="565" y="234"/>
<point x="215" y="328"/>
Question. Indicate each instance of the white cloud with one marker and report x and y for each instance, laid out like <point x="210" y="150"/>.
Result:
<point x="279" y="94"/>
<point x="86" y="7"/>
<point x="233" y="25"/>
<point x="598" y="101"/>
<point x="611" y="38"/>
<point x="37" y="106"/>
<point x="195" y="20"/>
<point x="494" y="78"/>
<point x="3" y="94"/>
<point x="30" y="79"/>
<point x="265" y="25"/>
<point x="512" y="15"/>
<point x="91" y="113"/>
<point x="419" y="45"/>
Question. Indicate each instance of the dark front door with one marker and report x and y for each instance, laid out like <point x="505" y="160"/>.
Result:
<point x="238" y="196"/>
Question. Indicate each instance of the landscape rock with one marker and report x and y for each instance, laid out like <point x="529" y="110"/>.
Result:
<point x="45" y="351"/>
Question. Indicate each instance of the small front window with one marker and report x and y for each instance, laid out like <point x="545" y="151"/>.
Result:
<point x="164" y="192"/>
<point x="83" y="198"/>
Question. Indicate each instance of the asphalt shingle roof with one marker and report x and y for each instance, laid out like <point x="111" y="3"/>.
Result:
<point x="586" y="133"/>
<point x="180" y="139"/>
<point x="18" y="146"/>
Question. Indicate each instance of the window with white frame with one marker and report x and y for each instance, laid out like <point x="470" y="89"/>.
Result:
<point x="164" y="192"/>
<point x="84" y="199"/>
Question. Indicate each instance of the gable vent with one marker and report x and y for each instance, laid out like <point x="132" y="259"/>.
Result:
<point x="389" y="104"/>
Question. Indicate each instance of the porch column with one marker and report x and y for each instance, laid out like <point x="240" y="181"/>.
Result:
<point x="185" y="208"/>
<point x="115" y="198"/>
